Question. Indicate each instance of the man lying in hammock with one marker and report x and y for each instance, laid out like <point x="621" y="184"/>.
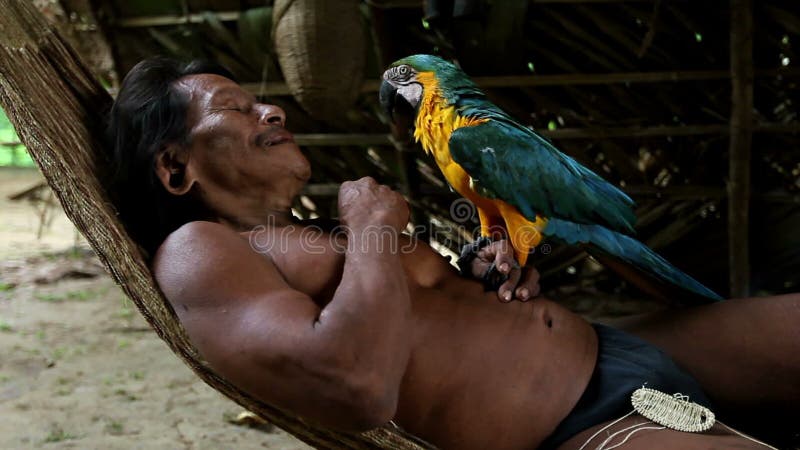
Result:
<point x="351" y="332"/>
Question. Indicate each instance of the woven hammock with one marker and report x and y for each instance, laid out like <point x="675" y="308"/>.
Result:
<point x="56" y="106"/>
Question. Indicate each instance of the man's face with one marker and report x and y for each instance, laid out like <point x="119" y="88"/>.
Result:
<point x="239" y="147"/>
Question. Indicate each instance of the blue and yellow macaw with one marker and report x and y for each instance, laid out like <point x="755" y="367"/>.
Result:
<point x="518" y="180"/>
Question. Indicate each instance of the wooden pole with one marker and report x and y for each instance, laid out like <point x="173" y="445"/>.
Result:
<point x="375" y="139"/>
<point x="232" y="16"/>
<point x="682" y="192"/>
<point x="169" y="20"/>
<point x="410" y="179"/>
<point x="278" y="88"/>
<point x="741" y="131"/>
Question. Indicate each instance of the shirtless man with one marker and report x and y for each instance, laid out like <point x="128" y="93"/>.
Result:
<point x="357" y="333"/>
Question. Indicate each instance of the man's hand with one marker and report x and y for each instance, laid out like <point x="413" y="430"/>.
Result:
<point x="364" y="202"/>
<point x="522" y="283"/>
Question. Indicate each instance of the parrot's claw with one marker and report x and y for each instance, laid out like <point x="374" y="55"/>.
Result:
<point x="493" y="278"/>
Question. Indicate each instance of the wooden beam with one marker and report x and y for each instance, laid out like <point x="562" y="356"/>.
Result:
<point x="169" y="20"/>
<point x="741" y="131"/>
<point x="371" y="139"/>
<point x="412" y="4"/>
<point x="365" y="140"/>
<point x="670" y="192"/>
<point x="572" y="2"/>
<point x="567" y="79"/>
<point x="677" y="192"/>
<point x="342" y="139"/>
<point x="232" y="16"/>
<point x="634" y="132"/>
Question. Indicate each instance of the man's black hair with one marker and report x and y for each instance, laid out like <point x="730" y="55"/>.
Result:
<point x="149" y="113"/>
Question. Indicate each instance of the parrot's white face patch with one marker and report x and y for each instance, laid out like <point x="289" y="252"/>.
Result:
<point x="412" y="92"/>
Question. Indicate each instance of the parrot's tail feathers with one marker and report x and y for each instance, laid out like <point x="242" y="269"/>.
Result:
<point x="621" y="203"/>
<point x="607" y="245"/>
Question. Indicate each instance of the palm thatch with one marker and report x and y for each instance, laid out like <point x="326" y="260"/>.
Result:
<point x="55" y="103"/>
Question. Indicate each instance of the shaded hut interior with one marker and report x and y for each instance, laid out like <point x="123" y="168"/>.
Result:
<point x="689" y="107"/>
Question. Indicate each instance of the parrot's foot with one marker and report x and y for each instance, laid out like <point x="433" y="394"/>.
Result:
<point x="468" y="254"/>
<point x="493" y="278"/>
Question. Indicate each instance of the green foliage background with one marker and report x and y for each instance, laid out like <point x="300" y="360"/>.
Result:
<point x="15" y="155"/>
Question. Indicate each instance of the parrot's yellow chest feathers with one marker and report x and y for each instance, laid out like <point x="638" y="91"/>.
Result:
<point x="435" y="122"/>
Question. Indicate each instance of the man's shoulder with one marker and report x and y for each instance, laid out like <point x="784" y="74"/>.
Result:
<point x="197" y="253"/>
<point x="196" y="232"/>
<point x="198" y="236"/>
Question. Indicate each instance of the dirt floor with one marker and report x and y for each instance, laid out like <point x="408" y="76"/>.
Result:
<point x="79" y="368"/>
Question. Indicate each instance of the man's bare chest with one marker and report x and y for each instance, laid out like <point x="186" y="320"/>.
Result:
<point x="310" y="259"/>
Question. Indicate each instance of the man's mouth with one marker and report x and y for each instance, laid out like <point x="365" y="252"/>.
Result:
<point x="273" y="137"/>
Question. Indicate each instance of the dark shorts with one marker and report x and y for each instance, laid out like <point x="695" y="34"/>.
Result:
<point x="624" y="364"/>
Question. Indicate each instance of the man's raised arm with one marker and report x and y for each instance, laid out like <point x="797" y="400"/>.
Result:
<point x="340" y="365"/>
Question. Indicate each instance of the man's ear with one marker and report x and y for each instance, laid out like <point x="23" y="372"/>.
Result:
<point x="172" y="168"/>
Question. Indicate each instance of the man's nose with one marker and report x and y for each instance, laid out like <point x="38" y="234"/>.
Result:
<point x="271" y="115"/>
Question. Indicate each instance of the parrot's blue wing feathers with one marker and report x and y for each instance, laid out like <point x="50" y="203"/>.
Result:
<point x="514" y="164"/>
<point x="597" y="238"/>
<point x="518" y="166"/>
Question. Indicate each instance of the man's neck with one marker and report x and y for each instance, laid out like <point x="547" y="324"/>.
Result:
<point x="246" y="211"/>
<point x="269" y="218"/>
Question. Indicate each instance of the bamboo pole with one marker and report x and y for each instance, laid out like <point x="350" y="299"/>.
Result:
<point x="567" y="79"/>
<point x="374" y="139"/>
<point x="404" y="145"/>
<point x="232" y="16"/>
<point x="169" y="20"/>
<point x="278" y="88"/>
<point x="741" y="131"/>
<point x="683" y="192"/>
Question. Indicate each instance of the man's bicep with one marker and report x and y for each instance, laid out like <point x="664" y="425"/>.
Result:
<point x="204" y="264"/>
<point x="213" y="278"/>
<point x="250" y="326"/>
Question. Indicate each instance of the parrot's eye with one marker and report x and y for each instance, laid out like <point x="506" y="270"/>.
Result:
<point x="400" y="73"/>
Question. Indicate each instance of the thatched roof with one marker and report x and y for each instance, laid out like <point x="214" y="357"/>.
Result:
<point x="638" y="90"/>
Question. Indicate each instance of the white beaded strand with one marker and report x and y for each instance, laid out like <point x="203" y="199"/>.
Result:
<point x="672" y="411"/>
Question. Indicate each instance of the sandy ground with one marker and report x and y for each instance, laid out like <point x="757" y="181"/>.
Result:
<point x="19" y="221"/>
<point x="79" y="368"/>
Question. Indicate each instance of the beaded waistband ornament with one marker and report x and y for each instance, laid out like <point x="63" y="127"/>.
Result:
<point x="672" y="411"/>
<point x="663" y="410"/>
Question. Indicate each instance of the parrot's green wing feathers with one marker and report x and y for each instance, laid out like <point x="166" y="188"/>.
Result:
<point x="514" y="164"/>
<point x="509" y="162"/>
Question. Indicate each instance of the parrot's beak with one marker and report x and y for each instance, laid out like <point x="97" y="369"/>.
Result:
<point x="397" y="108"/>
<point x="387" y="96"/>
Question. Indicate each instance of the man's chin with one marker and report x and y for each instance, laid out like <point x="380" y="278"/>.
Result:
<point x="303" y="174"/>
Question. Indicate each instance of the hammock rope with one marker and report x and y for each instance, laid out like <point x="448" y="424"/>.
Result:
<point x="57" y="108"/>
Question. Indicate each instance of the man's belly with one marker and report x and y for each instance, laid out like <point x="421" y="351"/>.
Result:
<point x="485" y="374"/>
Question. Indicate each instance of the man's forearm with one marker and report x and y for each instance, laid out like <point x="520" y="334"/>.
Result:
<point x="368" y="318"/>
